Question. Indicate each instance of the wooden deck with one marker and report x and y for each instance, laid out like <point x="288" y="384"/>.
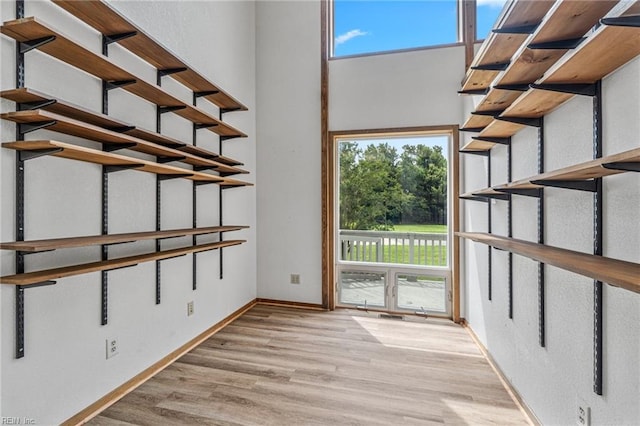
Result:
<point x="280" y="366"/>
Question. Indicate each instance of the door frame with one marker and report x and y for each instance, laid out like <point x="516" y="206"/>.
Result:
<point x="329" y="182"/>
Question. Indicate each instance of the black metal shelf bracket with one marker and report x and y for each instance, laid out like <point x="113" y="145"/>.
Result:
<point x="122" y="129"/>
<point x="472" y="129"/>
<point x="114" y="38"/>
<point x="199" y="126"/>
<point x="474" y="152"/>
<point x="117" y="84"/>
<point x="525" y="121"/>
<point x="578" y="185"/>
<point x="201" y="168"/>
<point x="558" y="44"/>
<point x="162" y="177"/>
<point x="30" y="106"/>
<point x="527" y="192"/>
<point x="491" y="67"/>
<point x="121" y="167"/>
<point x="205" y="93"/>
<point x="166" y="109"/>
<point x="36" y="153"/>
<point x="623" y="165"/>
<point x="171" y="257"/>
<point x="474" y="91"/>
<point x="111" y="147"/>
<point x="522" y="29"/>
<point x="121" y="267"/>
<point x="587" y="89"/>
<point x="29" y="45"/>
<point x="501" y="141"/>
<point x="169" y="71"/>
<point x="622" y="21"/>
<point x="512" y="87"/>
<point x="169" y="159"/>
<point x="25" y="128"/>
<point x="488" y="113"/>
<point x="204" y="182"/>
<point x="501" y="197"/>
<point x="226" y="138"/>
<point x="226" y="110"/>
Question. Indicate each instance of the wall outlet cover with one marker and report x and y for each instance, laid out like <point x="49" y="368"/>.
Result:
<point x="112" y="347"/>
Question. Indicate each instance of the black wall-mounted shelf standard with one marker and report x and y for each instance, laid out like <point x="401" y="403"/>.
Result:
<point x="556" y="60"/>
<point x="36" y="111"/>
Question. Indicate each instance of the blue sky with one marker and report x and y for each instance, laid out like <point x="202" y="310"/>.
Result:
<point x="364" y="26"/>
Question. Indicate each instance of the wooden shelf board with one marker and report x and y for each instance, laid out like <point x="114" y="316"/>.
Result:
<point x="615" y="272"/>
<point x="524" y="12"/>
<point x="476" y="145"/>
<point x="80" y="153"/>
<point x="35" y="246"/>
<point x="536" y="103"/>
<point x="77" y="112"/>
<point x="31" y="278"/>
<point x="69" y="126"/>
<point x="603" y="52"/>
<point x="100" y="66"/>
<point x="566" y="20"/>
<point x="475" y="121"/>
<point x="519" y="184"/>
<point x="201" y="152"/>
<point x="583" y="171"/>
<point x="498" y="100"/>
<point x="108" y="21"/>
<point x="501" y="129"/>
<point x="607" y="49"/>
<point x="499" y="48"/>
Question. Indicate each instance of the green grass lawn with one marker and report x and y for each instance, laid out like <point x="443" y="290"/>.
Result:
<point x="432" y="257"/>
<point x="435" y="229"/>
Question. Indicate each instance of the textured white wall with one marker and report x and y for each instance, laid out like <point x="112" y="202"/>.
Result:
<point x="288" y="109"/>
<point x="396" y="90"/>
<point x="552" y="379"/>
<point x="64" y="369"/>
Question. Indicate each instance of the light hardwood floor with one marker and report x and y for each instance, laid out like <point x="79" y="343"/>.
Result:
<point x="281" y="366"/>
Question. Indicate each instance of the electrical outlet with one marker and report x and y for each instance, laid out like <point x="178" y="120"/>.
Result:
<point x="112" y="347"/>
<point x="295" y="278"/>
<point x="190" y="308"/>
<point x="583" y="413"/>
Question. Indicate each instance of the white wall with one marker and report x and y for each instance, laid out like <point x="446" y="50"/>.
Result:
<point x="396" y="90"/>
<point x="552" y="379"/>
<point x="288" y="110"/>
<point x="64" y="369"/>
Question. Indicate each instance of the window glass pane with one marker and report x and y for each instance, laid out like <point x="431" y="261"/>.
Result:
<point x="393" y="200"/>
<point x="362" y="288"/>
<point x="487" y="12"/>
<point x="421" y="292"/>
<point x="361" y="27"/>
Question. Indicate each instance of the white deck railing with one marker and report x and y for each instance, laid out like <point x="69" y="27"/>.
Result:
<point x="414" y="248"/>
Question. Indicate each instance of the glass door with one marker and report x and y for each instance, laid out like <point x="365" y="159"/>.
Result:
<point x="393" y="236"/>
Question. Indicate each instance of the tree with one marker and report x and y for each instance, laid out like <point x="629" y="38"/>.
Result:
<point x="379" y="188"/>
<point x="370" y="194"/>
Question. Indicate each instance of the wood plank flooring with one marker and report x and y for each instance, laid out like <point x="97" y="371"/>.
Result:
<point x="282" y="366"/>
